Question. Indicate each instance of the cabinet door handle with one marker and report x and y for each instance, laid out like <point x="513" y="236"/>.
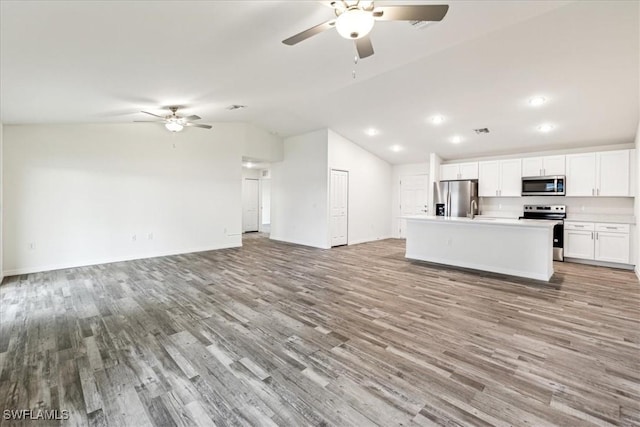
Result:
<point x="598" y="192"/>
<point x="592" y="235"/>
<point x="581" y="226"/>
<point x="611" y="228"/>
<point x="593" y="192"/>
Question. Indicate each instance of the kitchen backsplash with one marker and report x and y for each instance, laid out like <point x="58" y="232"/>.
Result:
<point x="513" y="206"/>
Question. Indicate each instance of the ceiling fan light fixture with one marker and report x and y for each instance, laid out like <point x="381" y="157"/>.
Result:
<point x="354" y="23"/>
<point x="174" y="126"/>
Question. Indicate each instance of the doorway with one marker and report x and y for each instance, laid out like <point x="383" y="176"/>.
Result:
<point x="413" y="197"/>
<point x="250" y="204"/>
<point x="339" y="205"/>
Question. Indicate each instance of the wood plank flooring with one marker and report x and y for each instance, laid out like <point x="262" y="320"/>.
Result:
<point x="278" y="334"/>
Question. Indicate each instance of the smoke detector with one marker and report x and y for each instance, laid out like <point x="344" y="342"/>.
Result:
<point x="236" y="107"/>
<point x="481" y="130"/>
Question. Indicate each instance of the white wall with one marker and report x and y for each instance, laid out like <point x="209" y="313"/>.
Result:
<point x="1" y="203"/>
<point x="263" y="145"/>
<point x="369" y="217"/>
<point x="299" y="191"/>
<point x="637" y="199"/>
<point x="79" y="193"/>
<point x="397" y="172"/>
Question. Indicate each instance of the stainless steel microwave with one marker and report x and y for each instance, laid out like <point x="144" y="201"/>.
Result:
<point x="543" y="185"/>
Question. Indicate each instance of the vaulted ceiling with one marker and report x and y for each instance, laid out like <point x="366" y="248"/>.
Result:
<point x="104" y="61"/>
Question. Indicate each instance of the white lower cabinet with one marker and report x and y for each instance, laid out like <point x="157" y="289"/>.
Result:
<point x="597" y="241"/>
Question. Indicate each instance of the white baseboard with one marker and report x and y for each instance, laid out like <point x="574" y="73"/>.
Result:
<point x="296" y="242"/>
<point x="367" y="240"/>
<point x="63" y="266"/>
<point x="599" y="263"/>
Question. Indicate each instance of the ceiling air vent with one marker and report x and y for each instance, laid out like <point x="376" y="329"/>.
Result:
<point x="481" y="130"/>
<point x="236" y="107"/>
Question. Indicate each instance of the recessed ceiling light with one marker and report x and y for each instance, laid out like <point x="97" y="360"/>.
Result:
<point x="436" y="120"/>
<point x="249" y="165"/>
<point x="537" y="101"/>
<point x="456" y="139"/>
<point x="545" y="127"/>
<point x="371" y="132"/>
<point x="395" y="148"/>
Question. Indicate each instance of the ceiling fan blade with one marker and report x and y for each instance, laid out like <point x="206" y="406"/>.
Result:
<point x="151" y="114"/>
<point x="194" y="117"/>
<point x="309" y="33"/>
<point x="364" y="47"/>
<point x="199" y="125"/>
<point x="411" y="13"/>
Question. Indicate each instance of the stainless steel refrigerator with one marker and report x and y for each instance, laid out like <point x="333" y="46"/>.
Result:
<point x="455" y="198"/>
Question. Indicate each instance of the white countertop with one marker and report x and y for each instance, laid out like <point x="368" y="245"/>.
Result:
<point x="482" y="220"/>
<point x="615" y="219"/>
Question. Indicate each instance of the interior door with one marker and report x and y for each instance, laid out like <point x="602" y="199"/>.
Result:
<point x="250" y="194"/>
<point x="413" y="197"/>
<point x="339" y="186"/>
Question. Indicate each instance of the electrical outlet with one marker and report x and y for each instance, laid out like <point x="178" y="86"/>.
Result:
<point x="150" y="236"/>
<point x="134" y="238"/>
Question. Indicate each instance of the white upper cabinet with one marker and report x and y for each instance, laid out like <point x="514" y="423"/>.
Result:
<point x="489" y="179"/>
<point x="499" y="178"/>
<point x="613" y="173"/>
<point x="455" y="171"/>
<point x="469" y="170"/>
<point x="543" y="166"/>
<point x="605" y="173"/>
<point x="581" y="175"/>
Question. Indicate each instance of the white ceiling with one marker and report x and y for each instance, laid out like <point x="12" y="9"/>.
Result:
<point x="104" y="61"/>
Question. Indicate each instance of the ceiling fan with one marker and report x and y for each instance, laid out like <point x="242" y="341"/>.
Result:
<point x="173" y="122"/>
<point x="355" y="19"/>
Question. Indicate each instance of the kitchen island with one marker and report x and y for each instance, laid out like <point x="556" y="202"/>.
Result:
<point x="515" y="247"/>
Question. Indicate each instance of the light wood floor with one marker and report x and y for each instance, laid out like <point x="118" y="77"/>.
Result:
<point x="278" y="334"/>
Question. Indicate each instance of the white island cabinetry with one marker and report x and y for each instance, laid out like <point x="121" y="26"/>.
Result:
<point x="507" y="246"/>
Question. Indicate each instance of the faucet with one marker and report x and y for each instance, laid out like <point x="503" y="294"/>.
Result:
<point x="474" y="206"/>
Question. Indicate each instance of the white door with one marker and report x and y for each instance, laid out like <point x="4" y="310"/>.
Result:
<point x="581" y="175"/>
<point x="339" y="207"/>
<point x="250" y="205"/>
<point x="413" y="197"/>
<point x="510" y="178"/>
<point x="613" y="173"/>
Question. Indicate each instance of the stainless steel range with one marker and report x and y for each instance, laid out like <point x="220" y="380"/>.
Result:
<point x="555" y="213"/>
